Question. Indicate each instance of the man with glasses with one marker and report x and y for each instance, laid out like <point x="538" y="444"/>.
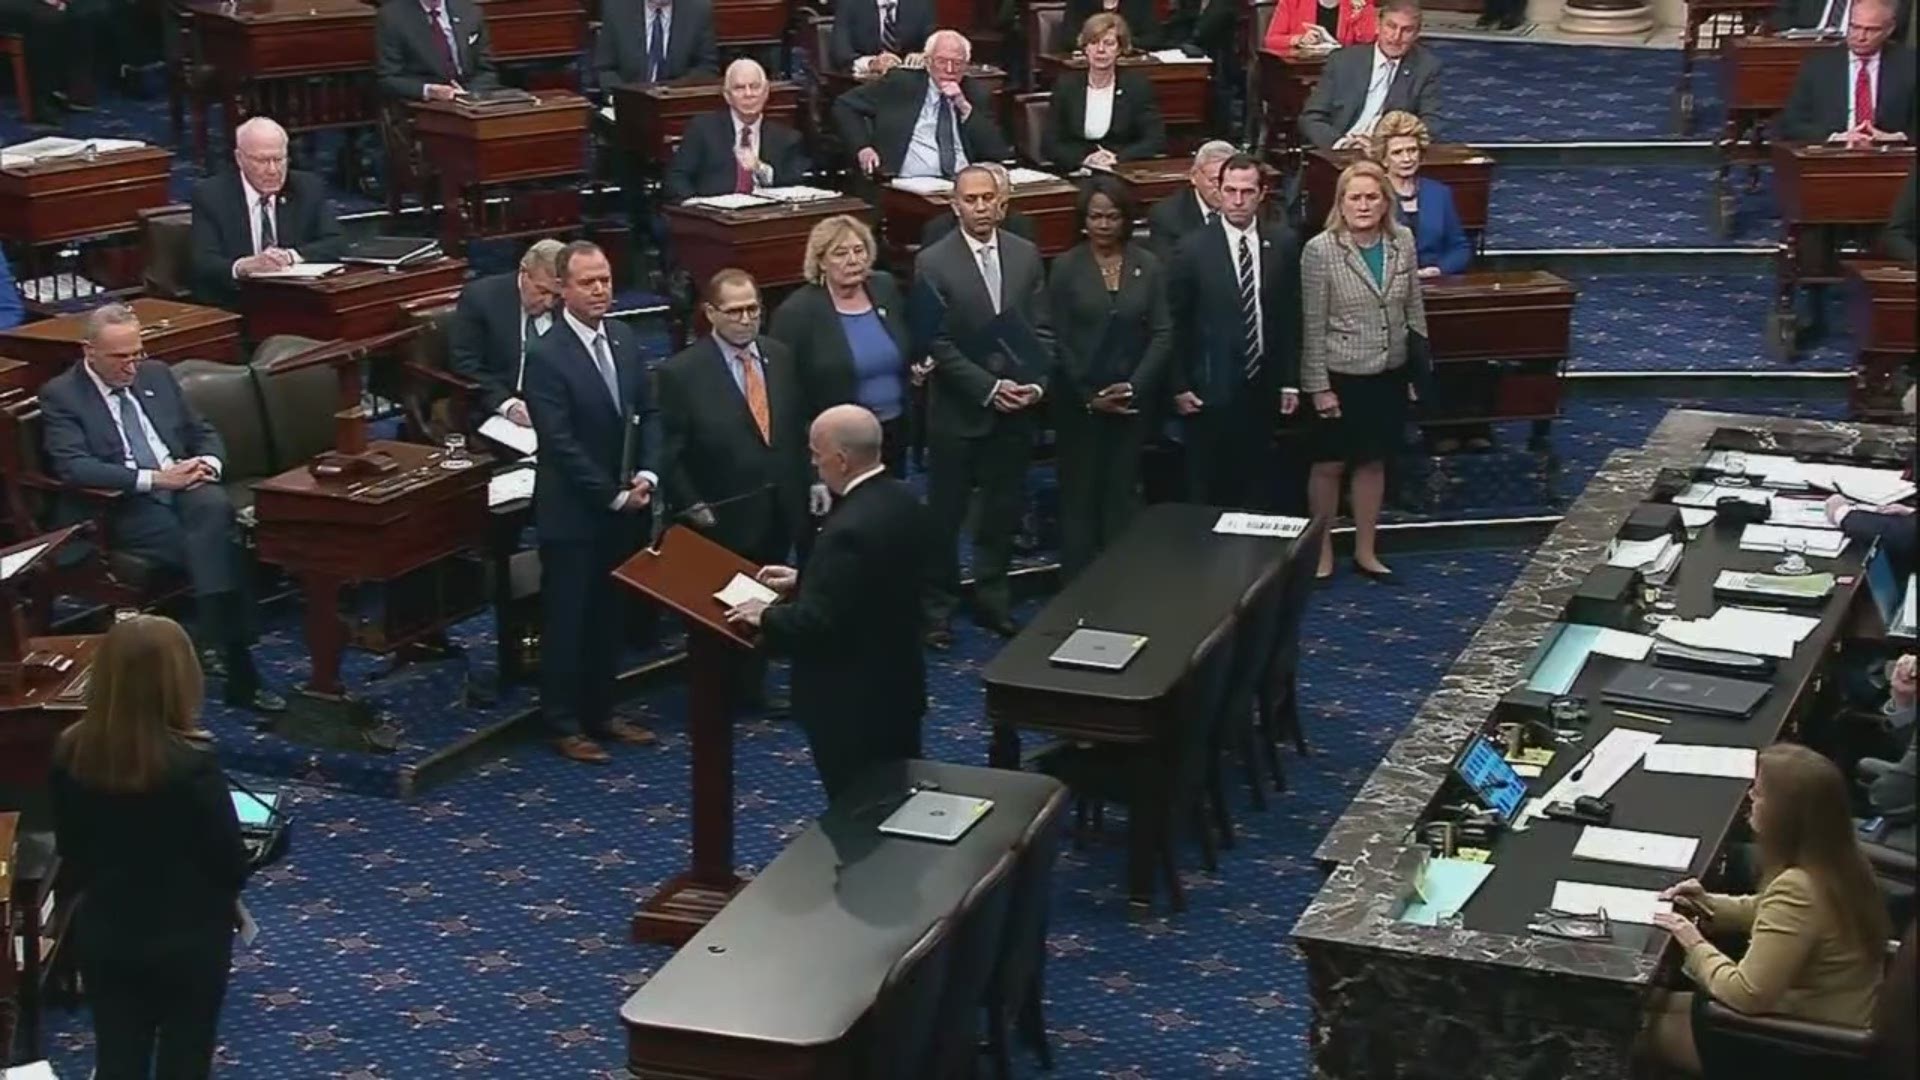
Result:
<point x="922" y="121"/>
<point x="119" y="422"/>
<point x="262" y="217"/>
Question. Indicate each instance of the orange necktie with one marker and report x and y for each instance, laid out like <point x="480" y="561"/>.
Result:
<point x="756" y="393"/>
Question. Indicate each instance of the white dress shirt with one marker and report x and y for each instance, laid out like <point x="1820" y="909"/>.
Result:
<point x="923" y="149"/>
<point x="588" y="335"/>
<point x="863" y="478"/>
<point x="1873" y="85"/>
<point x="253" y="220"/>
<point x="144" y="481"/>
<point x="762" y="176"/>
<point x="542" y="323"/>
<point x="1384" y="71"/>
<point x="1252" y="235"/>
<point x="1099" y="118"/>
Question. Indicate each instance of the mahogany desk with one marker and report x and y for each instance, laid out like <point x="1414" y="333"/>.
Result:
<point x="749" y="22"/>
<point x="170" y="330"/>
<point x="1758" y="72"/>
<point x="650" y="118"/>
<point x="306" y="63"/>
<point x="1749" y="17"/>
<point x="541" y="147"/>
<point x="16" y="375"/>
<point x="58" y="202"/>
<point x="1048" y="204"/>
<point x="779" y="983"/>
<point x="1286" y="80"/>
<point x="9" y="972"/>
<point x="1153" y="180"/>
<point x="523" y="31"/>
<point x="769" y="242"/>
<point x="34" y="716"/>
<point x="1500" y="343"/>
<point x="1182" y="90"/>
<point x="359" y="303"/>
<point x="1819" y="187"/>
<point x="1880" y="309"/>
<point x="1466" y="170"/>
<point x="330" y="533"/>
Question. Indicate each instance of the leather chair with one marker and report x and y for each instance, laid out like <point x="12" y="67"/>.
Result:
<point x="298" y="407"/>
<point x="1019" y="980"/>
<point x="979" y="937"/>
<point x="1769" y="1047"/>
<point x="434" y="397"/>
<point x="14" y="48"/>
<point x="1279" y="699"/>
<point x="816" y="42"/>
<point x="225" y="394"/>
<point x="166" y="249"/>
<point x="905" y="1016"/>
<point x="1893" y="869"/>
<point x="1042" y="25"/>
<point x="1030" y="115"/>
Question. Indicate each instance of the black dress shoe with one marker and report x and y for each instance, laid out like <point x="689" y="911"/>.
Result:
<point x="212" y="664"/>
<point x="997" y="623"/>
<point x="259" y="699"/>
<point x="939" y="637"/>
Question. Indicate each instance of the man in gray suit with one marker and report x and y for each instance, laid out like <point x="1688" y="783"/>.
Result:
<point x="981" y="290"/>
<point x="1362" y="83"/>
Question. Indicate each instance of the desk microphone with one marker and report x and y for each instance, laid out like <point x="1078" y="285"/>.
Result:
<point x="750" y="493"/>
<point x="1580" y="767"/>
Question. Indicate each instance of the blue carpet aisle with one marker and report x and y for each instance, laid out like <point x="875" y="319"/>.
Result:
<point x="1527" y="92"/>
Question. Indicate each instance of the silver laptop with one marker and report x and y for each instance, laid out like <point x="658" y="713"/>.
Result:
<point x="936" y="815"/>
<point x="1102" y="650"/>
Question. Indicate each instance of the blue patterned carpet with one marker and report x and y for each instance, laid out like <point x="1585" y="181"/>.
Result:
<point x="1640" y="206"/>
<point x="1687" y="322"/>
<point x="1537" y="92"/>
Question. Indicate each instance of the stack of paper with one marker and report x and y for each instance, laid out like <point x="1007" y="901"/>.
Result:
<point x="1235" y="523"/>
<point x="306" y="271"/>
<point x="742" y="589"/>
<point x="510" y="486"/>
<point x="1799" y="513"/>
<point x="921" y="185"/>
<point x="1875" y="487"/>
<point x="11" y="564"/>
<point x="1742" y="630"/>
<point x="60" y="147"/>
<point x="1708" y="496"/>
<point x="521" y="440"/>
<point x="1647" y="556"/>
<point x="732" y="200"/>
<point x="1176" y="56"/>
<point x="1020" y="176"/>
<point x="796" y="193"/>
<point x="1662" y="851"/>
<point x="1814" y="543"/>
<point x="1621" y="905"/>
<point x="1734" y="761"/>
<point x="1785" y="586"/>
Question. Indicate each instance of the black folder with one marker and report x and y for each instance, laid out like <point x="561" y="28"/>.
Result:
<point x="1687" y="691"/>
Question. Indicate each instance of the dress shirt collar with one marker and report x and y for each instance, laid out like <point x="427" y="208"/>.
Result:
<point x="1251" y="233"/>
<point x="749" y="125"/>
<point x="731" y="353"/>
<point x="254" y="197"/>
<point x="1381" y="59"/>
<point x="106" y="392"/>
<point x="1205" y="210"/>
<point x="586" y="333"/>
<point x="863" y="478"/>
<point x="436" y="10"/>
<point x="979" y="247"/>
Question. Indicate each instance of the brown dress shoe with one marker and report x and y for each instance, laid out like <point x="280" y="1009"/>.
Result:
<point x="580" y="748"/>
<point x="631" y="734"/>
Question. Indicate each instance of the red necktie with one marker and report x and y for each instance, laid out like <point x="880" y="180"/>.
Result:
<point x="1862" y="97"/>
<point x="742" y="179"/>
<point x="434" y="16"/>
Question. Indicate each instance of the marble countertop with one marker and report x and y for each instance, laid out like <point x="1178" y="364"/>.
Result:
<point x="1356" y="905"/>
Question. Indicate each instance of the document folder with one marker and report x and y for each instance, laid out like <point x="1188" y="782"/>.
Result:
<point x="1688" y="691"/>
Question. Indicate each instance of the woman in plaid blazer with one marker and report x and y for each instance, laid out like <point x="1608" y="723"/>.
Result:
<point x="1361" y="318"/>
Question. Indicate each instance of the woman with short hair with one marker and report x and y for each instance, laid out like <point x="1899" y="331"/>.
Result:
<point x="1105" y="114"/>
<point x="1424" y="205"/>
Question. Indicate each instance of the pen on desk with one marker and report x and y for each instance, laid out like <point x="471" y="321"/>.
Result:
<point x="1648" y="717"/>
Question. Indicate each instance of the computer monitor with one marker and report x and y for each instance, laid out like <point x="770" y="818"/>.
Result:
<point x="255" y="809"/>
<point x="1485" y="771"/>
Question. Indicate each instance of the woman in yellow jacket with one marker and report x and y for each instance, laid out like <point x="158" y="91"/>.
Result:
<point x="1817" y="931"/>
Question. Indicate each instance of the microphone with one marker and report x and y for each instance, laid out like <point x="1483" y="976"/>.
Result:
<point x="750" y="493"/>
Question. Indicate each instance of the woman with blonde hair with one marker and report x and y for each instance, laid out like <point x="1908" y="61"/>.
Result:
<point x="1105" y="114"/>
<point x="1362" y="321"/>
<point x="1816" y="933"/>
<point x="1424" y="205"/>
<point x="146" y="829"/>
<point x="847" y="327"/>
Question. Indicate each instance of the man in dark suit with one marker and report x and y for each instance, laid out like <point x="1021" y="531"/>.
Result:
<point x="260" y="218"/>
<point x="1362" y="83"/>
<point x="849" y="618"/>
<point x="432" y="50"/>
<point x="120" y="422"/>
<point x="989" y="290"/>
<point x="871" y="36"/>
<point x="654" y="41"/>
<point x="586" y="386"/>
<point x="930" y="121"/>
<point x="1235" y="295"/>
<point x="495" y="324"/>
<point x="1182" y="212"/>
<point x="1855" y="93"/>
<point x="737" y="148"/>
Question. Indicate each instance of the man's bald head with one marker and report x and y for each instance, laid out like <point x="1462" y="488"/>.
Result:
<point x="846" y="442"/>
<point x="746" y="89"/>
<point x="260" y="149"/>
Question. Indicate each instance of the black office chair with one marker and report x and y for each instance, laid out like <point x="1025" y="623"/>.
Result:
<point x="1280" y="697"/>
<point x="905" y="1017"/>
<point x="1260" y="611"/>
<point x="1018" y="981"/>
<point x="979" y="935"/>
<point x="1893" y="870"/>
<point x="1747" y="1047"/>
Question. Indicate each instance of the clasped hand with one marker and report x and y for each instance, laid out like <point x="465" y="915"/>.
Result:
<point x="182" y="475"/>
<point x="1115" y="400"/>
<point x="1687" y="896"/>
<point x="639" y="495"/>
<point x="1863" y="135"/>
<point x="1009" y="396"/>
<point x="266" y="262"/>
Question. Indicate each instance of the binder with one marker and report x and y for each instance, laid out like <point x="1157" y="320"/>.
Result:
<point x="1687" y="691"/>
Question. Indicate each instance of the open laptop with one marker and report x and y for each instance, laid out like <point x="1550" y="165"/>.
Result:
<point x="1488" y="774"/>
<point x="939" y="816"/>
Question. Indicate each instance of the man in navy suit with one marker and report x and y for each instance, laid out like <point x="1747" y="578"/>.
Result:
<point x="737" y="149"/>
<point x="495" y="324"/>
<point x="586" y="389"/>
<point x="432" y="50"/>
<point x="1362" y="83"/>
<point x="259" y="218"/>
<point x="118" y="421"/>
<point x="870" y="37"/>
<point x="654" y="41"/>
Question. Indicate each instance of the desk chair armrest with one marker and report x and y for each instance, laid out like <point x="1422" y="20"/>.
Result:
<point x="1800" y="1040"/>
<point x="44" y="483"/>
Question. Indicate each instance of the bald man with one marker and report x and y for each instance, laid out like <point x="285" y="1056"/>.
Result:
<point x="261" y="217"/>
<point x="851" y="617"/>
<point x="737" y="148"/>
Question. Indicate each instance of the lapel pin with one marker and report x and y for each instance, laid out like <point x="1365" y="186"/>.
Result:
<point x="882" y="311"/>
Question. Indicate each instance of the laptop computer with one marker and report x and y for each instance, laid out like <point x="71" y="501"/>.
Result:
<point x="1101" y="650"/>
<point x="1488" y="774"/>
<point x="940" y="816"/>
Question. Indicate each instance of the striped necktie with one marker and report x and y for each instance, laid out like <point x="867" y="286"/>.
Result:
<point x="1249" y="309"/>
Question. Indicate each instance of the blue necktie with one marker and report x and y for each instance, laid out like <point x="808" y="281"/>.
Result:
<point x="657" y="47"/>
<point x="136" y="436"/>
<point x="604" y="362"/>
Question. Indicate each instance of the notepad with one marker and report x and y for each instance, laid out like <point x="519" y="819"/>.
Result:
<point x="1742" y="630"/>
<point x="921" y="185"/>
<point x="1815" y="543"/>
<point x="1733" y="761"/>
<point x="1235" y="523"/>
<point x="1621" y="905"/>
<point x="1799" y="513"/>
<point x="1018" y="176"/>
<point x="742" y="589"/>
<point x="1662" y="851"/>
<point x="1695" y="517"/>
<point x="732" y="200"/>
<point x="1444" y="887"/>
<point x="796" y="193"/>
<point x="1649" y="556"/>
<point x="510" y="435"/>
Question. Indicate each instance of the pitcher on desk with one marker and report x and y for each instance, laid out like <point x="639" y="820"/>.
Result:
<point x="263" y="216"/>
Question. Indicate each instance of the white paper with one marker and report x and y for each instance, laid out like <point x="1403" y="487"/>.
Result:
<point x="742" y="589"/>
<point x="1237" y="523"/>
<point x="306" y="271"/>
<point x="510" y="486"/>
<point x="921" y="185"/>
<point x="1609" y="760"/>
<point x="1620" y="643"/>
<point x="510" y="435"/>
<point x="1818" y="543"/>
<point x="32" y="1070"/>
<point x="1020" y="176"/>
<point x="1662" y="851"/>
<point x="607" y="111"/>
<point x="1621" y="905"/>
<point x="1741" y="630"/>
<point x="1639" y="554"/>
<point x="1734" y="761"/>
<point x="732" y="200"/>
<point x="1799" y="513"/>
<point x="11" y="564"/>
<point x="796" y="193"/>
<point x="1694" y="517"/>
<point x="1875" y="487"/>
<point x="1708" y="496"/>
<point x="249" y="930"/>
<point x="1177" y="56"/>
<point x="1909" y="611"/>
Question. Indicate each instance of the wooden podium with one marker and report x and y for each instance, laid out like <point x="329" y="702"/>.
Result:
<point x="1500" y="343"/>
<point x="539" y="146"/>
<point x="42" y="679"/>
<point x="683" y="572"/>
<point x="360" y="302"/>
<point x="769" y="242"/>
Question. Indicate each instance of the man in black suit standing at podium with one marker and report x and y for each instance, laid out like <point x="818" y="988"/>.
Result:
<point x="263" y="216"/>
<point x="586" y="387"/>
<point x="851" y="618"/>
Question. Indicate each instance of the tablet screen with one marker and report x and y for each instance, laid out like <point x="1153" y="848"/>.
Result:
<point x="1484" y="769"/>
<point x="254" y="809"/>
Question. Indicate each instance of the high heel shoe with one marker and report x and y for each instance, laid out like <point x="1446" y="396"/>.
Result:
<point x="1382" y="576"/>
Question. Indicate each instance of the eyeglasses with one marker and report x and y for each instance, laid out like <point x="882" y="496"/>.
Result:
<point x="1572" y="926"/>
<point x="742" y="312"/>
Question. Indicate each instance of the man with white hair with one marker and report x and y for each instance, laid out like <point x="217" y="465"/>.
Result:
<point x="922" y="121"/>
<point x="737" y="149"/>
<point x="495" y="325"/>
<point x="263" y="216"/>
<point x="1859" y="92"/>
<point x="1180" y="213"/>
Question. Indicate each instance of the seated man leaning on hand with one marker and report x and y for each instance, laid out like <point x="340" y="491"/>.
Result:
<point x="264" y="216"/>
<point x="922" y="121"/>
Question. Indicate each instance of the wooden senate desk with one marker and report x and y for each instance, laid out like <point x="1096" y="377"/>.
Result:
<point x="1392" y="998"/>
<point x="749" y="22"/>
<point x="1286" y="81"/>
<point x="1153" y="180"/>
<point x="1500" y="343"/>
<point x="1466" y="170"/>
<point x="79" y="198"/>
<point x="1047" y="203"/>
<point x="522" y="31"/>
<point x="1181" y="88"/>
<point x="1725" y="19"/>
<point x="780" y="982"/>
<point x="328" y="533"/>
<point x="306" y="63"/>
<point x="539" y="147"/>
<point x="650" y="118"/>
<point x="358" y="303"/>
<point x="170" y="330"/>
<point x="1171" y="576"/>
<point x="1758" y="72"/>
<point x="769" y="242"/>
<point x="1880" y="311"/>
<point x="1821" y="189"/>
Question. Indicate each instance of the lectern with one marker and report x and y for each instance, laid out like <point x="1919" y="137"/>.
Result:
<point x="683" y="572"/>
<point x="43" y="680"/>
